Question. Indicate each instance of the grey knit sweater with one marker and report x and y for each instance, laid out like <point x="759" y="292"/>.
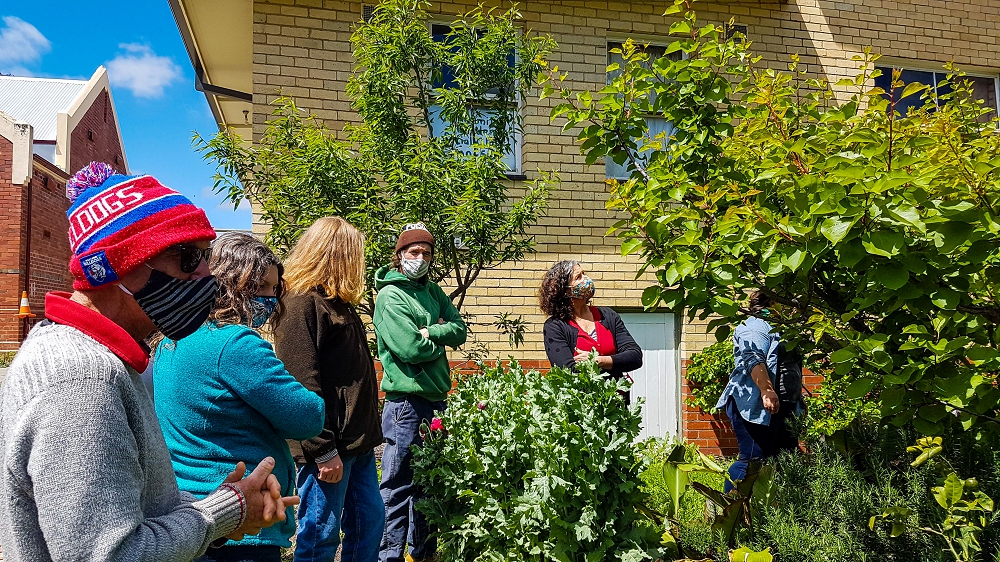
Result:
<point x="86" y="473"/>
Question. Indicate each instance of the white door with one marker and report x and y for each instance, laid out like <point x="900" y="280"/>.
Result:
<point x="658" y="381"/>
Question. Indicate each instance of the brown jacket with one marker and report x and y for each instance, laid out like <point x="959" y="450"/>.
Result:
<point x="322" y="343"/>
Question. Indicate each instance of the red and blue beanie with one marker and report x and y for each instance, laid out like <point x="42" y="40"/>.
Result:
<point x="117" y="223"/>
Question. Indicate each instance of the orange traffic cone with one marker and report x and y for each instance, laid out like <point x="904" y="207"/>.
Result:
<point x="25" y="310"/>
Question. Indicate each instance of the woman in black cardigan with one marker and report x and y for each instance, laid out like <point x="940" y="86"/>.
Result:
<point x="574" y="328"/>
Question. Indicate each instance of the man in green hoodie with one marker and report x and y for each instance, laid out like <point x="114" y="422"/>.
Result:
<point x="414" y="321"/>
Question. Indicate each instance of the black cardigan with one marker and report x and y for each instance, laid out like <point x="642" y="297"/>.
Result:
<point x="561" y="337"/>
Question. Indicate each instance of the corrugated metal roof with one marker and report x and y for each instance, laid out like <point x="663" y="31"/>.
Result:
<point x="37" y="101"/>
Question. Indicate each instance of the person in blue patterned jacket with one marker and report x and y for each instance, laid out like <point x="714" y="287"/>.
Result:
<point x="750" y="399"/>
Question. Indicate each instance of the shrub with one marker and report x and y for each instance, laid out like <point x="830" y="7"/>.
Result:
<point x="708" y="374"/>
<point x="6" y="357"/>
<point x="826" y="498"/>
<point x="532" y="467"/>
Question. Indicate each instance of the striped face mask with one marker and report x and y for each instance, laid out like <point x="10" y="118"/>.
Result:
<point x="177" y="307"/>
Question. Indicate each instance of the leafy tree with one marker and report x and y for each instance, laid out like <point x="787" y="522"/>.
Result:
<point x="877" y="234"/>
<point x="437" y="115"/>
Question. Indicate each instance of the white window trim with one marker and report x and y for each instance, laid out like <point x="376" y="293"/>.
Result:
<point x="518" y="141"/>
<point x="646" y="40"/>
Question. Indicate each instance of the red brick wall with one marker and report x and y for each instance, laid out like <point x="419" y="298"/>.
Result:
<point x="48" y="269"/>
<point x="12" y="215"/>
<point x="95" y="137"/>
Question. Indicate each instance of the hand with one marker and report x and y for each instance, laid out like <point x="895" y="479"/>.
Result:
<point x="264" y="504"/>
<point x="580" y="356"/>
<point x="771" y="403"/>
<point x="441" y="321"/>
<point x="332" y="470"/>
<point x="423" y="332"/>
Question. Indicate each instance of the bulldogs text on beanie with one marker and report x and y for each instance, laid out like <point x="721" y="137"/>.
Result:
<point x="118" y="222"/>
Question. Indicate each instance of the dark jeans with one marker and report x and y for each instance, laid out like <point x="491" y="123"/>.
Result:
<point x="240" y="553"/>
<point x="758" y="442"/>
<point x="353" y="505"/>
<point x="401" y="419"/>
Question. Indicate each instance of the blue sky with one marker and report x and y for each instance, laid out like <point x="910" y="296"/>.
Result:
<point x="151" y="80"/>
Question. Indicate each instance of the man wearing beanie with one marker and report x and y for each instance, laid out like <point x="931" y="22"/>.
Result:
<point x="414" y="321"/>
<point x="87" y="475"/>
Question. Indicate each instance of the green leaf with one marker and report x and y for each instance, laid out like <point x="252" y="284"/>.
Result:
<point x="650" y="295"/>
<point x="676" y="482"/>
<point x="886" y="243"/>
<point x="859" y="388"/>
<point x="912" y="88"/>
<point x="744" y="554"/>
<point x="836" y="228"/>
<point x="843" y="355"/>
<point x="679" y="27"/>
<point x="892" y="275"/>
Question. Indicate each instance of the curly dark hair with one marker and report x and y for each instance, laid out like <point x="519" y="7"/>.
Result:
<point x="240" y="263"/>
<point x="553" y="296"/>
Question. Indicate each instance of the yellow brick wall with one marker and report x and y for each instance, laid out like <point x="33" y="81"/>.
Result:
<point x="302" y="47"/>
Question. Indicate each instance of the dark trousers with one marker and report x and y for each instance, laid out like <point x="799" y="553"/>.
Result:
<point x="241" y="553"/>
<point x="401" y="419"/>
<point x="758" y="442"/>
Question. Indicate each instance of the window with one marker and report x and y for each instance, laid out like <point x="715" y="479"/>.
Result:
<point x="655" y="124"/>
<point x="485" y="114"/>
<point x="983" y="88"/>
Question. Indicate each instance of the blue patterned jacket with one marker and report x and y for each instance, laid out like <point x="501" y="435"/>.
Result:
<point x="753" y="343"/>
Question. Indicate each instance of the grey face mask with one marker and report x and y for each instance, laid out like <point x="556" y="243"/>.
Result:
<point x="414" y="269"/>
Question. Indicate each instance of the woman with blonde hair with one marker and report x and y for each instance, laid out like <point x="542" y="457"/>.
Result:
<point x="222" y="396"/>
<point x="323" y="343"/>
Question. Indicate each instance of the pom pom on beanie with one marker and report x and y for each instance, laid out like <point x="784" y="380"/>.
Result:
<point x="92" y="175"/>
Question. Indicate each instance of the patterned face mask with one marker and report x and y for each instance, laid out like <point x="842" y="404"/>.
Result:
<point x="582" y="289"/>
<point x="177" y="307"/>
<point x="263" y="309"/>
<point x="414" y="269"/>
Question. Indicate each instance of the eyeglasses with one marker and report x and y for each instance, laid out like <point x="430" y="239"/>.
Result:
<point x="191" y="257"/>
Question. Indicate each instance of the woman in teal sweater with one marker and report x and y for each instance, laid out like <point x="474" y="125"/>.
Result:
<point x="222" y="394"/>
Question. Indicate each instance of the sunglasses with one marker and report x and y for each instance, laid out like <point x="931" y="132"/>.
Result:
<point x="191" y="257"/>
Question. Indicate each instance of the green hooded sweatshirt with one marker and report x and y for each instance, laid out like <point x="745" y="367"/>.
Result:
<point x="411" y="363"/>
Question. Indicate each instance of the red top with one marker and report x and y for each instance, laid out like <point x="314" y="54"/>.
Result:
<point x="61" y="310"/>
<point x="605" y="342"/>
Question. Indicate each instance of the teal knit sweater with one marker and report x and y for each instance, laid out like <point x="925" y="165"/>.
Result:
<point x="222" y="396"/>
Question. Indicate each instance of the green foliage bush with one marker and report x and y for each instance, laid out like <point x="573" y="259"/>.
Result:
<point x="826" y="498"/>
<point x="6" y="357"/>
<point x="708" y="372"/>
<point x="532" y="467"/>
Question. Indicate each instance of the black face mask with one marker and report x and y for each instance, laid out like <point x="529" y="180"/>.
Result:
<point x="177" y="307"/>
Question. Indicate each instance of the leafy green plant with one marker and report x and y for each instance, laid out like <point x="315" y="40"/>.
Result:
<point x="437" y="115"/>
<point x="537" y="468"/>
<point x="830" y="409"/>
<point x="707" y="375"/>
<point x="6" y="357"/>
<point x="965" y="506"/>
<point x="875" y="233"/>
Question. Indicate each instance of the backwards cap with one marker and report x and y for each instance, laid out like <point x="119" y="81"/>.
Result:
<point x="118" y="222"/>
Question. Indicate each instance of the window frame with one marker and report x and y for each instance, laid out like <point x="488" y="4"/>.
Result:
<point x="649" y="41"/>
<point x="518" y="134"/>
<point x="935" y="70"/>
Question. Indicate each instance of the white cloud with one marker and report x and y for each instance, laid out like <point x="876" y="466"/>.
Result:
<point x="140" y="70"/>
<point x="20" y="43"/>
